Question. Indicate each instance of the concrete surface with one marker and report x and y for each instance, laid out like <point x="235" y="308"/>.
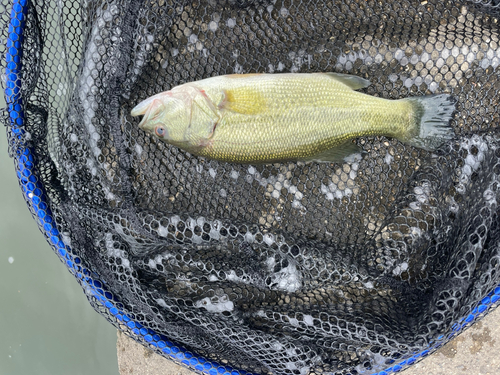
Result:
<point x="474" y="352"/>
<point x="135" y="359"/>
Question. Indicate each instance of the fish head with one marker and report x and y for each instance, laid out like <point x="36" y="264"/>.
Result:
<point x="183" y="116"/>
<point x="166" y="116"/>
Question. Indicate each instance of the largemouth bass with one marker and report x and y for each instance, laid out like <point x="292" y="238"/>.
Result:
<point x="264" y="118"/>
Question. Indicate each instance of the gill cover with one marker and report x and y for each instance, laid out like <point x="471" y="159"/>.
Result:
<point x="186" y="114"/>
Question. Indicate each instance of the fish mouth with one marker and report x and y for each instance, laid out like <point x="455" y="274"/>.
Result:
<point x="143" y="122"/>
<point x="148" y="108"/>
<point x="142" y="107"/>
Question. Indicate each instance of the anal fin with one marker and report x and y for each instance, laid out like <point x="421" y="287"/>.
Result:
<point x="344" y="153"/>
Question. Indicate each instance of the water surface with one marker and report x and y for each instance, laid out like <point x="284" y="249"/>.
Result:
<point x="48" y="326"/>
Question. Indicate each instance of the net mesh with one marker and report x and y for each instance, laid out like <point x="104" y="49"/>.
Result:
<point x="286" y="268"/>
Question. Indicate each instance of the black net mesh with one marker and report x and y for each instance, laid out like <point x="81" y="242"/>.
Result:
<point x="276" y="269"/>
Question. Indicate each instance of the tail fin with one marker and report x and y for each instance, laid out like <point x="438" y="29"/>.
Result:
<point x="434" y="114"/>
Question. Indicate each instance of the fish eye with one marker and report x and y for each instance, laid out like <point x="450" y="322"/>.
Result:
<point x="160" y="131"/>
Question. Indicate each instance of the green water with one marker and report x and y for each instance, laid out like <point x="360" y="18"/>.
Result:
<point x="48" y="326"/>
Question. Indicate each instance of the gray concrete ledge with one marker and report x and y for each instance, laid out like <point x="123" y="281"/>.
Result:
<point x="135" y="359"/>
<point x="474" y="352"/>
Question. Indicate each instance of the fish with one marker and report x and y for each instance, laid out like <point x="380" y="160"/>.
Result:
<point x="270" y="118"/>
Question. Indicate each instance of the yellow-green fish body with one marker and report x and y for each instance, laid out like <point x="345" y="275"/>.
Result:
<point x="262" y="118"/>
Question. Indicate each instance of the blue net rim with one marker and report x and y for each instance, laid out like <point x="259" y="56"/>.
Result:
<point x="36" y="199"/>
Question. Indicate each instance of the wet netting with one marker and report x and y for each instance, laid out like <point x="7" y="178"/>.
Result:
<point x="293" y="268"/>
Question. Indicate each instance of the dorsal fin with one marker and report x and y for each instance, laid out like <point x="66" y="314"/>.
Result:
<point x="354" y="82"/>
<point x="246" y="75"/>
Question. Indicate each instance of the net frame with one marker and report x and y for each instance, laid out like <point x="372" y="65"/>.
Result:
<point x="36" y="198"/>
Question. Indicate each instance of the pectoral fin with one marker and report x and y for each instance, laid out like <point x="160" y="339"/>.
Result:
<point x="342" y="153"/>
<point x="354" y="82"/>
<point x="246" y="101"/>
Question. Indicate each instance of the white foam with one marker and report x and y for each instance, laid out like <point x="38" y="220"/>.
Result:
<point x="332" y="192"/>
<point x="216" y="17"/>
<point x="378" y="363"/>
<point x="291" y="366"/>
<point x="214" y="229"/>
<point x="231" y="276"/>
<point x="284" y="12"/>
<point x="277" y="345"/>
<point x="299" y="59"/>
<point x="294" y="322"/>
<point x="249" y="237"/>
<point x="161" y="302"/>
<point x="453" y="206"/>
<point x="472" y="162"/>
<point x="138" y="149"/>
<point x="218" y="306"/>
<point x="191" y="224"/>
<point x="490" y="58"/>
<point x="422" y="195"/>
<point x="175" y="219"/>
<point x="422" y="192"/>
<point x="268" y="239"/>
<point x="261" y="314"/>
<point x="368" y="285"/>
<point x="277" y="182"/>
<point x="490" y="197"/>
<point x="399" y="269"/>
<point x="153" y="262"/>
<point x="86" y="83"/>
<point x="238" y="69"/>
<point x="213" y="26"/>
<point x="308" y="320"/>
<point x="108" y="194"/>
<point x="288" y="279"/>
<point x="193" y="38"/>
<point x="212" y="172"/>
<point x="270" y="263"/>
<point x="116" y="252"/>
<point x="66" y="239"/>
<point x="415" y="205"/>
